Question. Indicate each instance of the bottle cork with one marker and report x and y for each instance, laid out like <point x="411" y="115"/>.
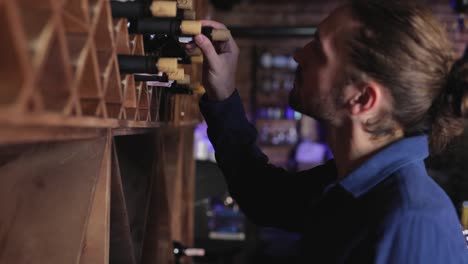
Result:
<point x="464" y="217"/>
<point x="190" y="27"/>
<point x="220" y="34"/>
<point x="198" y="88"/>
<point x="164" y="8"/>
<point x="190" y="15"/>
<point x="167" y="65"/>
<point x="185" y="81"/>
<point x="196" y="59"/>
<point x="178" y="75"/>
<point x="185" y="4"/>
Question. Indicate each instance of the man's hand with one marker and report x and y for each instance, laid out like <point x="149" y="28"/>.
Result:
<point x="220" y="64"/>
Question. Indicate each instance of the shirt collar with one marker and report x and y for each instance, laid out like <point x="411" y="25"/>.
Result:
<point x="384" y="163"/>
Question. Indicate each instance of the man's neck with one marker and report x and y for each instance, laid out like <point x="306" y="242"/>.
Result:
<point x="351" y="147"/>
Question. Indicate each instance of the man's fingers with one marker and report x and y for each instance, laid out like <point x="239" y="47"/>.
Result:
<point x="213" y="24"/>
<point x="190" y="46"/>
<point x="229" y="45"/>
<point x="207" y="48"/>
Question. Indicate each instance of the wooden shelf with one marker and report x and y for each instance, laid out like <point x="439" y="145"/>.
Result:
<point x="97" y="168"/>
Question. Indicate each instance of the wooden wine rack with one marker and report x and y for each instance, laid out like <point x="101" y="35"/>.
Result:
<point x="59" y="66"/>
<point x="94" y="167"/>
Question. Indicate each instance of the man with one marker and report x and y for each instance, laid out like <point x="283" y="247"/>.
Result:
<point x="379" y="76"/>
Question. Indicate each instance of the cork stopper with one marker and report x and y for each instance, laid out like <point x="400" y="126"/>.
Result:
<point x="196" y="59"/>
<point x="191" y="27"/>
<point x="185" y="4"/>
<point x="185" y="81"/>
<point x="167" y="65"/>
<point x="198" y="88"/>
<point x="464" y="216"/>
<point x="220" y="35"/>
<point x="178" y="76"/>
<point x="190" y="15"/>
<point x="164" y="8"/>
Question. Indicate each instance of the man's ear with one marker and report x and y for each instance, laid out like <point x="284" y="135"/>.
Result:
<point x="364" y="98"/>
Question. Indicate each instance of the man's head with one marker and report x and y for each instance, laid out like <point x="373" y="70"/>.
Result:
<point x="320" y="74"/>
<point x="377" y="64"/>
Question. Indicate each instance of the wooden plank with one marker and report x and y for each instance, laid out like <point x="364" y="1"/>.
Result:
<point x="14" y="134"/>
<point x="121" y="247"/>
<point x="157" y="247"/>
<point x="188" y="194"/>
<point x="95" y="248"/>
<point x="45" y="194"/>
<point x="8" y="118"/>
<point x="176" y="161"/>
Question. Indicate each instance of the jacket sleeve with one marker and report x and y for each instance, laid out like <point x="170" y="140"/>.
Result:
<point x="268" y="195"/>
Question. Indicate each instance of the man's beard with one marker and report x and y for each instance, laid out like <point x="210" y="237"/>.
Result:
<point x="324" y="109"/>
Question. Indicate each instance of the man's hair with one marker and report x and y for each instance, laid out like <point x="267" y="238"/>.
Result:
<point x="402" y="46"/>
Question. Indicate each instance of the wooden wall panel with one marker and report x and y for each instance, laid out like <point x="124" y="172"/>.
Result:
<point x="95" y="248"/>
<point x="48" y="188"/>
<point x="157" y="247"/>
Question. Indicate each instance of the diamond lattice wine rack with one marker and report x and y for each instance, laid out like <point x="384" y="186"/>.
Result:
<point x="96" y="164"/>
<point x="59" y="67"/>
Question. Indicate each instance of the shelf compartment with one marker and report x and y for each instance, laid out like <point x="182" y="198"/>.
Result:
<point x="113" y="90"/>
<point x="130" y="95"/>
<point x="54" y="75"/>
<point x="136" y="44"/>
<point x="122" y="40"/>
<point x="144" y="102"/>
<point x="93" y="9"/>
<point x="38" y="26"/>
<point x="76" y="35"/>
<point x="88" y="83"/>
<point x="102" y="30"/>
<point x="78" y="9"/>
<point x="13" y="70"/>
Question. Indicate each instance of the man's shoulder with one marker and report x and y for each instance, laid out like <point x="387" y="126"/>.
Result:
<point x="412" y="198"/>
<point x="409" y="193"/>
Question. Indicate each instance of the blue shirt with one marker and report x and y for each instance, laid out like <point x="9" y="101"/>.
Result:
<point x="386" y="211"/>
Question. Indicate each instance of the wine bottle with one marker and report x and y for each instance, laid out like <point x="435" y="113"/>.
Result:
<point x="176" y="27"/>
<point x="181" y="250"/>
<point x="146" y="64"/>
<point x="151" y="65"/>
<point x="137" y="9"/>
<point x="164" y="46"/>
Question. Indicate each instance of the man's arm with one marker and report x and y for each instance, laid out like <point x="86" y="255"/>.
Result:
<point x="268" y="195"/>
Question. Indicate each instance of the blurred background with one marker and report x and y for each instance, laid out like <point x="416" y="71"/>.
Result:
<point x="268" y="32"/>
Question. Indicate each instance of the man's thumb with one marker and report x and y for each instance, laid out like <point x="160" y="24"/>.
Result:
<point x="207" y="48"/>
